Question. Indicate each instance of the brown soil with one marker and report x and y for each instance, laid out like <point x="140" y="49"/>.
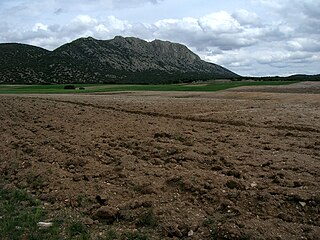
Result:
<point x="237" y="164"/>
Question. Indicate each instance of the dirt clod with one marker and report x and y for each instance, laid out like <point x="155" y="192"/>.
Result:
<point x="108" y="214"/>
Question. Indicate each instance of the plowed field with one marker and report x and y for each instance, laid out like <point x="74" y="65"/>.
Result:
<point x="237" y="164"/>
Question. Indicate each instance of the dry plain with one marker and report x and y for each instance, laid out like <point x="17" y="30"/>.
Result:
<point x="242" y="163"/>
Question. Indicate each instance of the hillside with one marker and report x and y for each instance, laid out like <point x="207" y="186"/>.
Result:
<point x="20" y="63"/>
<point x="119" y="60"/>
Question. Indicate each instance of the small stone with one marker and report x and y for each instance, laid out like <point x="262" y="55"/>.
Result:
<point x="88" y="221"/>
<point x="254" y="184"/>
<point x="303" y="204"/>
<point x="190" y="233"/>
<point x="71" y="166"/>
<point x="44" y="224"/>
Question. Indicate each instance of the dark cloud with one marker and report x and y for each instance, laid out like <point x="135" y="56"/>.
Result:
<point x="311" y="9"/>
<point x="58" y="11"/>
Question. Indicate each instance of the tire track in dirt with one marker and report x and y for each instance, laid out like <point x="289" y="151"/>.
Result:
<point x="186" y="118"/>
<point x="192" y="118"/>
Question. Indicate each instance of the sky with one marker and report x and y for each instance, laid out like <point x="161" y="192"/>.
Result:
<point x="249" y="37"/>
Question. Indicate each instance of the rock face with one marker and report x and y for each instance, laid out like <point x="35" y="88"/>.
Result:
<point x="119" y="60"/>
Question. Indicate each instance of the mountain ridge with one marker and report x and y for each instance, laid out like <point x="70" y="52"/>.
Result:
<point x="117" y="60"/>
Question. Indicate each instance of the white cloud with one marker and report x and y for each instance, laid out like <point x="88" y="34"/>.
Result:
<point x="218" y="29"/>
<point x="101" y="29"/>
<point x="189" y="23"/>
<point x="117" y="24"/>
<point x="245" y="17"/>
<point x="82" y="22"/>
<point x="219" y="22"/>
<point x="40" y="27"/>
<point x="304" y="44"/>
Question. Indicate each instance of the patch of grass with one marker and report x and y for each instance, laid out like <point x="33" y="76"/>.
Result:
<point x="47" y="89"/>
<point x="19" y="215"/>
<point x="70" y="87"/>
<point x="84" y="201"/>
<point x="246" y="237"/>
<point x="77" y="230"/>
<point x="83" y="88"/>
<point x="148" y="219"/>
<point x="212" y="227"/>
<point x="35" y="181"/>
<point x="135" y="236"/>
<point x="113" y="235"/>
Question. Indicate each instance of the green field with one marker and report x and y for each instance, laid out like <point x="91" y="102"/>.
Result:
<point x="59" y="88"/>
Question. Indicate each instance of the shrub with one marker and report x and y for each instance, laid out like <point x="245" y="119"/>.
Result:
<point x="70" y="87"/>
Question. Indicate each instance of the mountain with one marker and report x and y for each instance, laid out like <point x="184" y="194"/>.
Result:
<point x="119" y="60"/>
<point x="304" y="77"/>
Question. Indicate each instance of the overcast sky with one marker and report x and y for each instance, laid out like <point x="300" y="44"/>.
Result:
<point x="250" y="37"/>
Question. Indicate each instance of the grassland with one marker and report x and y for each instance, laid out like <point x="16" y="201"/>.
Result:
<point x="59" y="88"/>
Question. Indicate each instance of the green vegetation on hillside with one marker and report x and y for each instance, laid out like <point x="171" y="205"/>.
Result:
<point x="88" y="88"/>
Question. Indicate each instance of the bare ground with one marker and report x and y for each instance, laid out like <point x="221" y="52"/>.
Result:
<point x="236" y="164"/>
